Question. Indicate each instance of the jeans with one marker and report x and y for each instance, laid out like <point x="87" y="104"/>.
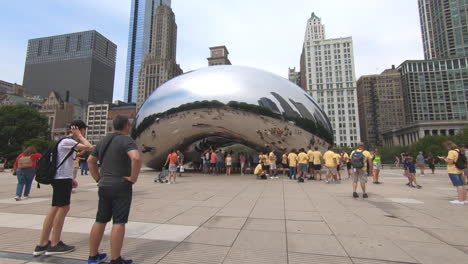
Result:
<point x="292" y="172"/>
<point x="84" y="168"/>
<point x="25" y="179"/>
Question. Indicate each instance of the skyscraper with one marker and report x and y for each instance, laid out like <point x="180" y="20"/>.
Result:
<point x="142" y="17"/>
<point x="160" y="64"/>
<point x="218" y="56"/>
<point x="327" y="73"/>
<point x="380" y="104"/>
<point x="80" y="65"/>
<point x="444" y="28"/>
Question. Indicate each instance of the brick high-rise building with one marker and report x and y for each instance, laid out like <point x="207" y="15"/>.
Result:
<point x="218" y="56"/>
<point x="380" y="104"/>
<point x="82" y="64"/>
<point x="160" y="64"/>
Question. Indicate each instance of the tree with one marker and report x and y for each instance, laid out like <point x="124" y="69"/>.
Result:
<point x="41" y="144"/>
<point x="19" y="123"/>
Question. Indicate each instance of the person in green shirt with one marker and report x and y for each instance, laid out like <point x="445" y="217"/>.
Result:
<point x="377" y="160"/>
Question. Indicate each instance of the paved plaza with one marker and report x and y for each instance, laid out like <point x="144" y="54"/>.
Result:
<point x="238" y="219"/>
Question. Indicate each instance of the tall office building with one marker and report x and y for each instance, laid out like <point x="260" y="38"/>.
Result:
<point x="327" y="73"/>
<point x="444" y="28"/>
<point x="160" y="64"/>
<point x="380" y="104"/>
<point x="218" y="56"/>
<point x="142" y="18"/>
<point x="82" y="64"/>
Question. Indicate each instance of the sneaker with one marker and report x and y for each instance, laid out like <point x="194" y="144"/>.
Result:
<point x="99" y="258"/>
<point x="457" y="202"/>
<point x="365" y="195"/>
<point x="327" y="182"/>
<point x="39" y="250"/>
<point x="412" y="186"/>
<point x="17" y="198"/>
<point x="26" y="197"/>
<point x="355" y="195"/>
<point x="120" y="260"/>
<point x="377" y="182"/>
<point x="408" y="184"/>
<point x="168" y="182"/>
<point x="418" y="186"/>
<point x="60" y="248"/>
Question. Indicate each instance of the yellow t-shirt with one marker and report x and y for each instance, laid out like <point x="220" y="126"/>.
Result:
<point x="317" y="157"/>
<point x="264" y="158"/>
<point x="303" y="158"/>
<point x="272" y="158"/>
<point x="285" y="159"/>
<point x="292" y="158"/>
<point x="310" y="155"/>
<point x="346" y="157"/>
<point x="331" y="158"/>
<point x="258" y="169"/>
<point x="451" y="168"/>
<point x="366" y="155"/>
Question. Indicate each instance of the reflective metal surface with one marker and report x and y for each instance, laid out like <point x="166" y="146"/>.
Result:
<point x="224" y="105"/>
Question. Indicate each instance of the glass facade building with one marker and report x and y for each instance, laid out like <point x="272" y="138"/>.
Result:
<point x="140" y="41"/>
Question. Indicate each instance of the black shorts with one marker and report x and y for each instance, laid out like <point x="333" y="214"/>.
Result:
<point x="266" y="167"/>
<point x="285" y="166"/>
<point x="317" y="167"/>
<point x="311" y="165"/>
<point x="348" y="165"/>
<point x="61" y="192"/>
<point x="114" y="203"/>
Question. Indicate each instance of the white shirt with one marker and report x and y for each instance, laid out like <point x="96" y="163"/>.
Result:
<point x="66" y="170"/>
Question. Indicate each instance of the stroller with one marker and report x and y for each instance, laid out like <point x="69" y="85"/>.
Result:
<point x="162" y="177"/>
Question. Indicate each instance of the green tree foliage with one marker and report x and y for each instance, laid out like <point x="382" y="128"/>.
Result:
<point x="40" y="144"/>
<point x="18" y="124"/>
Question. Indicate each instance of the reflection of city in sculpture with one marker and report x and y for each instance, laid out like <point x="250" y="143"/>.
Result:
<point x="224" y="105"/>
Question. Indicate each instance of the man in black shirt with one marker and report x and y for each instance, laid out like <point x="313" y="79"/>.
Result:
<point x="120" y="165"/>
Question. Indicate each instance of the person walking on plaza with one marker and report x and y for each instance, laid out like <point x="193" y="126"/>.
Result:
<point x="347" y="162"/>
<point x="421" y="163"/>
<point x="180" y="162"/>
<point x="273" y="168"/>
<point x="25" y="168"/>
<point x="359" y="160"/>
<point x="397" y="162"/>
<point x="219" y="161"/>
<point x="292" y="159"/>
<point x="255" y="160"/>
<point x="412" y="173"/>
<point x="213" y="160"/>
<point x="310" y="157"/>
<point x="172" y="160"/>
<point x="284" y="162"/>
<point x="83" y="163"/>
<point x="332" y="160"/>
<point x="303" y="161"/>
<point x="228" y="163"/>
<point x="62" y="186"/>
<point x="242" y="161"/>
<point x="377" y="160"/>
<point x="456" y="163"/>
<point x="317" y="163"/>
<point x="120" y="167"/>
<point x="431" y="162"/>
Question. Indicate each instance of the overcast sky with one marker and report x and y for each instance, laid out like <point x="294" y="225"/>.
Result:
<point x="266" y="34"/>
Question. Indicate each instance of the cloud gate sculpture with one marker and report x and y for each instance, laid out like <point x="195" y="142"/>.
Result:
<point x="220" y="106"/>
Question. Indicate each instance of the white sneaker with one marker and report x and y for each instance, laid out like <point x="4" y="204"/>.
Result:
<point x="465" y="202"/>
<point x="457" y="202"/>
<point x="168" y="182"/>
<point x="26" y="197"/>
<point x="17" y="198"/>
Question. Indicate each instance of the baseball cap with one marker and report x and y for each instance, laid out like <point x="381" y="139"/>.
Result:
<point x="462" y="145"/>
<point x="78" y="123"/>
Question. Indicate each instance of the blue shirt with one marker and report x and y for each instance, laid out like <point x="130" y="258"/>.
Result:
<point x="412" y="168"/>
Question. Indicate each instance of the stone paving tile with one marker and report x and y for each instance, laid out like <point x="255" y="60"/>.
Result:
<point x="213" y="236"/>
<point x="216" y="201"/>
<point x="303" y="216"/>
<point x="258" y="256"/>
<point x="404" y="233"/>
<point x="265" y="225"/>
<point x="315" y="244"/>
<point x="224" y="222"/>
<point x="375" y="261"/>
<point x="430" y="253"/>
<point x="374" y="248"/>
<point x="450" y="236"/>
<point x="196" y="216"/>
<point x="176" y="233"/>
<point x="301" y="258"/>
<point x="263" y="240"/>
<point x="187" y="253"/>
<point x="308" y="227"/>
<point x="267" y="213"/>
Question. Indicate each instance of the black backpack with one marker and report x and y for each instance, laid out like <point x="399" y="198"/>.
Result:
<point x="461" y="161"/>
<point x="46" y="167"/>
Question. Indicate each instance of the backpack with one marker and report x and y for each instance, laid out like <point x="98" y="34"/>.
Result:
<point x="461" y="161"/>
<point x="47" y="165"/>
<point x="357" y="160"/>
<point x="25" y="162"/>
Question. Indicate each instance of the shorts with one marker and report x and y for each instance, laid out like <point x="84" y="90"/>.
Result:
<point x="272" y="166"/>
<point x="377" y="166"/>
<point x="338" y="167"/>
<point x="359" y="175"/>
<point x="421" y="166"/>
<point x="302" y="167"/>
<point x="311" y="165"/>
<point x="62" y="190"/>
<point x="348" y="165"/>
<point x="285" y="165"/>
<point x="456" y="179"/>
<point x="213" y="165"/>
<point x="431" y="166"/>
<point x="332" y="170"/>
<point x="265" y="167"/>
<point x="114" y="203"/>
<point x="219" y="164"/>
<point x="317" y="167"/>
<point x="172" y="167"/>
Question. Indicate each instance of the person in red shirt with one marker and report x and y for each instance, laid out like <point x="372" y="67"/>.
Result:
<point x="25" y="167"/>
<point x="171" y="160"/>
<point x="213" y="160"/>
